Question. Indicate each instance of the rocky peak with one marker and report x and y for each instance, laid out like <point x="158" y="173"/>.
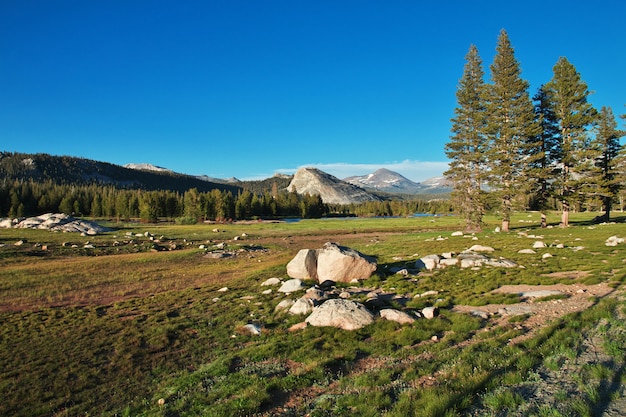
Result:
<point x="331" y="189"/>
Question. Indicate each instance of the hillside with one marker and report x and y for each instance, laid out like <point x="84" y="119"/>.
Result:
<point x="72" y="170"/>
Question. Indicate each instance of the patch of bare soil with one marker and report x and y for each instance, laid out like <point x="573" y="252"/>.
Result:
<point x="577" y="297"/>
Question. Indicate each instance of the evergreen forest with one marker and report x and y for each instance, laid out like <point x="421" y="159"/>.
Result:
<point x="511" y="152"/>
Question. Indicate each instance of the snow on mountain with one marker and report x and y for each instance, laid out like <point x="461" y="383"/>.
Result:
<point x="147" y="167"/>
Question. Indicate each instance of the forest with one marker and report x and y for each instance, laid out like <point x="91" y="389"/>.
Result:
<point x="509" y="152"/>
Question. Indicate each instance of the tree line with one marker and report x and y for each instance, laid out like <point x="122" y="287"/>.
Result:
<point x="22" y="198"/>
<point x="522" y="153"/>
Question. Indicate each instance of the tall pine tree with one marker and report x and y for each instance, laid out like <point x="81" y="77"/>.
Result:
<point x="607" y="142"/>
<point x="574" y="115"/>
<point x="542" y="152"/>
<point x="468" y="145"/>
<point x="510" y="127"/>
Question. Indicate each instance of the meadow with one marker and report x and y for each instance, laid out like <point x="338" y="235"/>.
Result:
<point x="120" y="325"/>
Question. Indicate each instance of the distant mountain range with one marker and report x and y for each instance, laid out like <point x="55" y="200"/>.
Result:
<point x="382" y="184"/>
<point x="391" y="182"/>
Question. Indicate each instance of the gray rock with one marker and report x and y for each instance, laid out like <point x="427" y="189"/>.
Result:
<point x="251" y="329"/>
<point x="291" y="285"/>
<point x="430" y="312"/>
<point x="270" y="281"/>
<point x="526" y="252"/>
<point x="342" y="264"/>
<point x="428" y="262"/>
<point x="303" y="265"/>
<point x="302" y="305"/>
<point x="340" y="313"/>
<point x="481" y="248"/>
<point x="284" y="305"/>
<point x="397" y="316"/>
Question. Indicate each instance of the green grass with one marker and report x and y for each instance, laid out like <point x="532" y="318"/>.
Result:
<point x="140" y="333"/>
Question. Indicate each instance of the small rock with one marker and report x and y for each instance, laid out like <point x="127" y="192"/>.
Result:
<point x="480" y="313"/>
<point x="527" y="252"/>
<point x="397" y="316"/>
<point x="223" y="289"/>
<point x="270" y="281"/>
<point x="301" y="306"/>
<point x="429" y="312"/>
<point x="284" y="305"/>
<point x="539" y="244"/>
<point x="457" y="233"/>
<point x="297" y="327"/>
<point x="481" y="248"/>
<point x="291" y="285"/>
<point x="251" y="329"/>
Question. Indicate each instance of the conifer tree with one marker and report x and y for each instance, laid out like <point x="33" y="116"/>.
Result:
<point x="575" y="115"/>
<point x="542" y="152"/>
<point x="607" y="142"/>
<point x="467" y="146"/>
<point x="510" y="126"/>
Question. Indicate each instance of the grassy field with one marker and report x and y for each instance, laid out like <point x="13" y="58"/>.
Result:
<point x="137" y="322"/>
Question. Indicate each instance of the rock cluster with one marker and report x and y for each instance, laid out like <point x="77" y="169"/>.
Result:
<point x="326" y="305"/>
<point x="472" y="257"/>
<point x="55" y="222"/>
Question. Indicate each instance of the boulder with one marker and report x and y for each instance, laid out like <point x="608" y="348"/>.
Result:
<point x="501" y="263"/>
<point x="270" y="281"/>
<point x="430" y="312"/>
<point x="340" y="313"/>
<point x="397" y="316"/>
<point x="342" y="264"/>
<point x="291" y="285"/>
<point x="284" y="305"/>
<point x="614" y="241"/>
<point x="428" y="262"/>
<point x="302" y="305"/>
<point x="472" y="259"/>
<point x="481" y="248"/>
<point x="303" y="265"/>
<point x="251" y="329"/>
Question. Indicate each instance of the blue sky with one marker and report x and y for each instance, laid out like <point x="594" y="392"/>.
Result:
<point x="252" y="88"/>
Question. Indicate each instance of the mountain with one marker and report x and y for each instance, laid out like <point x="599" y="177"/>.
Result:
<point x="331" y="189"/>
<point x="147" y="167"/>
<point x="384" y="180"/>
<point x="73" y="170"/>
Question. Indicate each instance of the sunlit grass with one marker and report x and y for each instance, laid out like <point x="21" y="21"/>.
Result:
<point x="115" y="333"/>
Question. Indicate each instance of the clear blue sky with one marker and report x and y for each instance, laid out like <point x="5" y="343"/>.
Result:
<point x="251" y="88"/>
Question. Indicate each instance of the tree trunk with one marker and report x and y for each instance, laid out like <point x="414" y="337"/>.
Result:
<point x="565" y="215"/>
<point x="544" y="221"/>
<point x="505" y="225"/>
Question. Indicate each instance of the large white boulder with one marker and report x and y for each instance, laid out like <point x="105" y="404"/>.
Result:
<point x="340" y="313"/>
<point x="342" y="264"/>
<point x="303" y="265"/>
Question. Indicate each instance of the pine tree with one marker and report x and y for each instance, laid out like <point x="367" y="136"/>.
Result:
<point x="607" y="142"/>
<point x="542" y="152"/>
<point x="510" y="126"/>
<point x="575" y="115"/>
<point x="467" y="146"/>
